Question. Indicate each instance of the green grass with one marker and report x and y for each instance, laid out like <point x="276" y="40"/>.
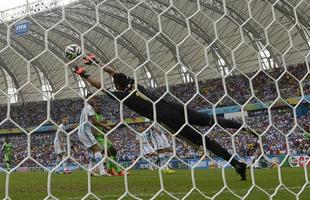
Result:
<point x="144" y="184"/>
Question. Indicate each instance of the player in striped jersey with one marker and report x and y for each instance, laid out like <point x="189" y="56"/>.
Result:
<point x="87" y="121"/>
<point x="147" y="149"/>
<point x="162" y="147"/>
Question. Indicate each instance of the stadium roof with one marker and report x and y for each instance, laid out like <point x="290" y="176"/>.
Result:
<point x="208" y="38"/>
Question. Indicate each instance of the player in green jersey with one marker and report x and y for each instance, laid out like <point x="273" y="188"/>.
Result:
<point x="113" y="168"/>
<point x="7" y="153"/>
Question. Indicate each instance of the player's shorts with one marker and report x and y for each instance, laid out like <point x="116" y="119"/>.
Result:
<point x="58" y="148"/>
<point x="87" y="139"/>
<point x="7" y="157"/>
<point x="147" y="149"/>
<point x="160" y="142"/>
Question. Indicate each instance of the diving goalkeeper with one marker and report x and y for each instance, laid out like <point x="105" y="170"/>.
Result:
<point x="169" y="115"/>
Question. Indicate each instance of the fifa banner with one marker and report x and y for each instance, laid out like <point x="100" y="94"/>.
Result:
<point x="22" y="27"/>
<point x="254" y="106"/>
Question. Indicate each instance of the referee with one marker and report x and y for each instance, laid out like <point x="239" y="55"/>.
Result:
<point x="168" y="114"/>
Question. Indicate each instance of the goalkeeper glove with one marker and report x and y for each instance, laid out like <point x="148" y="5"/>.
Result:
<point x="90" y="59"/>
<point x="81" y="71"/>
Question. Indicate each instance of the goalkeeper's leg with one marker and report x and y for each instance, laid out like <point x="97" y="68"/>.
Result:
<point x="203" y="119"/>
<point x="195" y="138"/>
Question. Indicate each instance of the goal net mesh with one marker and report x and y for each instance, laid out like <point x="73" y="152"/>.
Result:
<point x="245" y="60"/>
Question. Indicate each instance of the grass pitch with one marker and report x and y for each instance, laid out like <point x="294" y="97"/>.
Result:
<point x="145" y="184"/>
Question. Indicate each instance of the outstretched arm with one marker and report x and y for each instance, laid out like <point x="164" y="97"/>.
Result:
<point x="109" y="70"/>
<point x="90" y="59"/>
<point x="82" y="72"/>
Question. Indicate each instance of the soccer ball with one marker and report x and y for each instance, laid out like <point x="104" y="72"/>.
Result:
<point x="72" y="51"/>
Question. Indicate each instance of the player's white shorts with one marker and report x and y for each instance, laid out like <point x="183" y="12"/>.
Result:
<point x="58" y="148"/>
<point x="87" y="139"/>
<point x="147" y="149"/>
<point x="160" y="142"/>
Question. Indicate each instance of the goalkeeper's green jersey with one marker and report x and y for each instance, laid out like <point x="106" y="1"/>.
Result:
<point x="7" y="149"/>
<point x="99" y="117"/>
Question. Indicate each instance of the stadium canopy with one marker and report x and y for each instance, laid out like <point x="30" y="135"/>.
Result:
<point x="189" y="39"/>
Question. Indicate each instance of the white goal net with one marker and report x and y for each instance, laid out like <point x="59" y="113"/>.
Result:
<point x="244" y="60"/>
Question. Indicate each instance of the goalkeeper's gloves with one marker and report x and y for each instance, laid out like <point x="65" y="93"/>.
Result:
<point x="90" y="59"/>
<point x="81" y="71"/>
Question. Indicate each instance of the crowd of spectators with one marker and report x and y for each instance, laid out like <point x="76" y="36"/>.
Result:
<point x="128" y="146"/>
<point x="264" y="83"/>
<point x="275" y="128"/>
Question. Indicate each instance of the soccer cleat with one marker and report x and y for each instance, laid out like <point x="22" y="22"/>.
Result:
<point x="168" y="171"/>
<point x="123" y="172"/>
<point x="112" y="172"/>
<point x="90" y="59"/>
<point x="105" y="174"/>
<point x="94" y="174"/>
<point x="241" y="170"/>
<point x="67" y="172"/>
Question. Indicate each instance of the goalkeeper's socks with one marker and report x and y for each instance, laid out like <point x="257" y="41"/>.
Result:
<point x="154" y="160"/>
<point x="98" y="157"/>
<point x="161" y="160"/>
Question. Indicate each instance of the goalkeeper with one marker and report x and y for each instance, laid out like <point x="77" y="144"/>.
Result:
<point x="113" y="168"/>
<point x="168" y="114"/>
<point x="7" y="153"/>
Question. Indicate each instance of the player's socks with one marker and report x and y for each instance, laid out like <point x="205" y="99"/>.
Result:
<point x="153" y="160"/>
<point x="115" y="166"/>
<point x="98" y="158"/>
<point x="218" y="150"/>
<point x="241" y="170"/>
<point x="7" y="166"/>
<point x="64" y="164"/>
<point x="92" y="161"/>
<point x="161" y="158"/>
